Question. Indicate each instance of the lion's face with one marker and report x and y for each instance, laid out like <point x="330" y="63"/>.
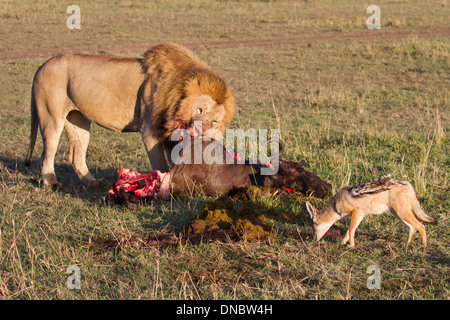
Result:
<point x="205" y="115"/>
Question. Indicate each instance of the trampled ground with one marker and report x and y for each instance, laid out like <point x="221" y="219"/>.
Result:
<point x="352" y="105"/>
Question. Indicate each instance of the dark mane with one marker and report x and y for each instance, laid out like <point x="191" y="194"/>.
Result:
<point x="380" y="185"/>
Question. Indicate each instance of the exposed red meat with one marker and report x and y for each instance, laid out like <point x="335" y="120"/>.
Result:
<point x="152" y="185"/>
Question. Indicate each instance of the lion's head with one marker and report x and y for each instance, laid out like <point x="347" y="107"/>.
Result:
<point x="189" y="94"/>
<point x="206" y="104"/>
<point x="205" y="115"/>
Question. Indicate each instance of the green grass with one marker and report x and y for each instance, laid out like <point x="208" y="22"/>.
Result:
<point x="348" y="110"/>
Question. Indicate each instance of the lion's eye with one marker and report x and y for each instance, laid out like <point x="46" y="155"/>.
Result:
<point x="215" y="122"/>
<point x="199" y="111"/>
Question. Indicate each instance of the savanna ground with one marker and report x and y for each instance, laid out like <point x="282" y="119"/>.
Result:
<point x="352" y="104"/>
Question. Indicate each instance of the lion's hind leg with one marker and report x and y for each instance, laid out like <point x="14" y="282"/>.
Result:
<point x="78" y="132"/>
<point x="51" y="132"/>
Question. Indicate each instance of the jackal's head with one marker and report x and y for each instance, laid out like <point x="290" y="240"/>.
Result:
<point x="322" y="221"/>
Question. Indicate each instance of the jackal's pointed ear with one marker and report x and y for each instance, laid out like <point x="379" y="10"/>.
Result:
<point x="313" y="212"/>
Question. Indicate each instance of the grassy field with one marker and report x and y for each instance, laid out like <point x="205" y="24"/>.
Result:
<point x="352" y="105"/>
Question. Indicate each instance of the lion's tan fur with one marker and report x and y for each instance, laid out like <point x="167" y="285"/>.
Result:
<point x="154" y="95"/>
<point x="183" y="76"/>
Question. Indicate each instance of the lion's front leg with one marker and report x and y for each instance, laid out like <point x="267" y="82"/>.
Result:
<point x="155" y="151"/>
<point x="168" y="152"/>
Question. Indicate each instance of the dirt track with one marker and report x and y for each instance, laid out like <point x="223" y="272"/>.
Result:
<point x="306" y="40"/>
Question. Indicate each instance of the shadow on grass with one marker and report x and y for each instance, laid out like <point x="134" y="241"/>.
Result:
<point x="151" y="215"/>
<point x="65" y="174"/>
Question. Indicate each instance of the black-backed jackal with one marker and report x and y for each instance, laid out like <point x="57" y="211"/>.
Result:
<point x="385" y="194"/>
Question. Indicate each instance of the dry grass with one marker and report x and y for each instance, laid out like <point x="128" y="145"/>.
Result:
<point x="350" y="111"/>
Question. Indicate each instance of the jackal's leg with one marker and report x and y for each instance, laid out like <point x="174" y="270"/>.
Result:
<point x="356" y="218"/>
<point x="406" y="215"/>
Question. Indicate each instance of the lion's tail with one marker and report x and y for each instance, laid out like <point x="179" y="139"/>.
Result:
<point x="33" y="130"/>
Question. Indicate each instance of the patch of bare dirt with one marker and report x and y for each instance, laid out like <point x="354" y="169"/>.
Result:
<point x="306" y="40"/>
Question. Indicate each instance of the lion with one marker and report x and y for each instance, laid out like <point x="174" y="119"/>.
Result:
<point x="168" y="89"/>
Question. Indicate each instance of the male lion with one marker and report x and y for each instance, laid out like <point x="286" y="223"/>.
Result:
<point x="168" y="89"/>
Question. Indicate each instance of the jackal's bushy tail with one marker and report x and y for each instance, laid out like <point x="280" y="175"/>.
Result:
<point x="421" y="215"/>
